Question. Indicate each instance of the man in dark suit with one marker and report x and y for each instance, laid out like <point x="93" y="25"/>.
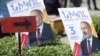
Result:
<point x="53" y="5"/>
<point x="90" y="44"/>
<point x="43" y="33"/>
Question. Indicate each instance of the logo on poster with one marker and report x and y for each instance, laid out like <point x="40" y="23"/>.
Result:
<point x="74" y="15"/>
<point x="25" y="5"/>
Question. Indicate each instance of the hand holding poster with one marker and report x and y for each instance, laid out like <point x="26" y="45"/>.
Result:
<point x="72" y="18"/>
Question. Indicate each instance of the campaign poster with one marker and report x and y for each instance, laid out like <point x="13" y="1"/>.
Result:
<point x="19" y="8"/>
<point x="23" y="7"/>
<point x="71" y="19"/>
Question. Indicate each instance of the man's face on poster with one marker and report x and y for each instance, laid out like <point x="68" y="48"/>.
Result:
<point x="86" y="30"/>
<point x="39" y="18"/>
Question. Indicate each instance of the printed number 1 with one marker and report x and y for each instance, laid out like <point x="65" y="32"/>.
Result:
<point x="72" y="30"/>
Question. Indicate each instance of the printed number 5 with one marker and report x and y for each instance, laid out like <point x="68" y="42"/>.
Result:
<point x="72" y="30"/>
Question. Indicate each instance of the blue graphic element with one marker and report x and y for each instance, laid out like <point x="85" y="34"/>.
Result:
<point x="3" y="8"/>
<point x="72" y="30"/>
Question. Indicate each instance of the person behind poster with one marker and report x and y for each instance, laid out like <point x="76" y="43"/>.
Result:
<point x="90" y="43"/>
<point x="53" y="5"/>
<point x="43" y="33"/>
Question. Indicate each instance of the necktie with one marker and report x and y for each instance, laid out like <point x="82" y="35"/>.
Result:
<point x="89" y="48"/>
<point x="38" y="36"/>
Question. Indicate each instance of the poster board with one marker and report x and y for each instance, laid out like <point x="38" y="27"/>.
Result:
<point x="23" y="7"/>
<point x="19" y="8"/>
<point x="71" y="18"/>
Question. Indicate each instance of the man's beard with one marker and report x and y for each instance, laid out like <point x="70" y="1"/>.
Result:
<point x="85" y="35"/>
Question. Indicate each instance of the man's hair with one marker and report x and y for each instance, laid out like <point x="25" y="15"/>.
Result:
<point x="86" y="23"/>
<point x="39" y="11"/>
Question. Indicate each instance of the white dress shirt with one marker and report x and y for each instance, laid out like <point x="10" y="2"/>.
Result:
<point x="90" y="39"/>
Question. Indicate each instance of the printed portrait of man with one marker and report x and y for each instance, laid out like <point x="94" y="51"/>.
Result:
<point x="90" y="43"/>
<point x="43" y="32"/>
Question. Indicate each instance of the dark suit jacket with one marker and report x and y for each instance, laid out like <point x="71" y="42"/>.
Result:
<point x="52" y="6"/>
<point x="95" y="46"/>
<point x="47" y="35"/>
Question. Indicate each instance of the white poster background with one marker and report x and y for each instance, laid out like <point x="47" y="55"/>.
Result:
<point x="71" y="18"/>
<point x="23" y="7"/>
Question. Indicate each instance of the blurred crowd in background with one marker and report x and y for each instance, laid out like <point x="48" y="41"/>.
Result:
<point x="53" y="5"/>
